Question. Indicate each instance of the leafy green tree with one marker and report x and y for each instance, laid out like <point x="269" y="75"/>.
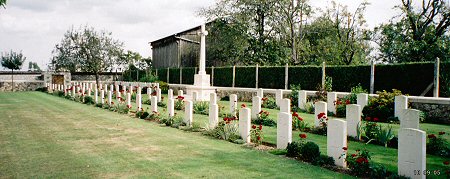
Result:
<point x="2" y="3"/>
<point x="87" y="50"/>
<point x="419" y="34"/>
<point x="12" y="61"/>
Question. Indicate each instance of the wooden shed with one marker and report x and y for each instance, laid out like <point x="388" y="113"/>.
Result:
<point x="178" y="50"/>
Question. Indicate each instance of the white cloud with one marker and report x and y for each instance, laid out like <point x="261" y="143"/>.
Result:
<point x="34" y="27"/>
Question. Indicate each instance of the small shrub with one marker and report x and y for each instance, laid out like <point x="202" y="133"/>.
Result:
<point x="298" y="123"/>
<point x="122" y="109"/>
<point x="173" y="121"/>
<point x="309" y="107"/>
<point x="99" y="105"/>
<point x="225" y="130"/>
<point x="382" y="107"/>
<point x="263" y="119"/>
<point x="294" y="94"/>
<point x="437" y="145"/>
<point x="162" y="104"/>
<point x="201" y="107"/>
<point x="256" y="134"/>
<point x="154" y="116"/>
<point x="324" y="160"/>
<point x="293" y="149"/>
<point x="370" y="129"/>
<point x="310" y="151"/>
<point x="144" y="115"/>
<point x="42" y="89"/>
<point x="88" y="100"/>
<point x="179" y="103"/>
<point x="383" y="136"/>
<point x="269" y="103"/>
<point x="360" y="165"/>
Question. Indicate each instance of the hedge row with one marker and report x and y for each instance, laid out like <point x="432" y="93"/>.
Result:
<point x="410" y="78"/>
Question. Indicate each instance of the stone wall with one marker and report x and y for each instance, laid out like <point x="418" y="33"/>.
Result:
<point x="91" y="77"/>
<point x="436" y="113"/>
<point x="21" y="86"/>
<point x="21" y="76"/>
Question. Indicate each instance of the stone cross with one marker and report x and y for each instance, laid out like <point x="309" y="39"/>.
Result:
<point x="202" y="63"/>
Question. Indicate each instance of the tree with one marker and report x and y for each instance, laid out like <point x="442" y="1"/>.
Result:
<point x="2" y="3"/>
<point x="87" y="50"/>
<point x="33" y="66"/>
<point x="12" y="61"/>
<point x="420" y="34"/>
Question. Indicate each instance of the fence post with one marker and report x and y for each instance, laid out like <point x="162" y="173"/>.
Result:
<point x="372" y="76"/>
<point x="234" y="74"/>
<point x="168" y="75"/>
<point x="323" y="75"/>
<point x="256" y="85"/>
<point x="181" y="75"/>
<point x="286" y="76"/>
<point x="436" y="78"/>
<point x="212" y="76"/>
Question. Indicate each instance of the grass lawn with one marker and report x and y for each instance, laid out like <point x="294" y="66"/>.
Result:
<point x="380" y="154"/>
<point x="43" y="136"/>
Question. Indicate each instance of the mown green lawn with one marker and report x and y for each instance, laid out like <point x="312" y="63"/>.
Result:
<point x="43" y="136"/>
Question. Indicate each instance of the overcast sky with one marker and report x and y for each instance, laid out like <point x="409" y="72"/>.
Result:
<point x="34" y="27"/>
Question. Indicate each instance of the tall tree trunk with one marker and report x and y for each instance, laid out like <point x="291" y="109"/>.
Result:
<point x="12" y="80"/>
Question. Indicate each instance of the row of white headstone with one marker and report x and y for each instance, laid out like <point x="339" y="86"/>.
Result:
<point x="411" y="140"/>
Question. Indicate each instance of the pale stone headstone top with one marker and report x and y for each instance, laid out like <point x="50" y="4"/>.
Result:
<point x="411" y="153"/>
<point x="336" y="141"/>
<point x="244" y="124"/>
<point x="284" y="130"/>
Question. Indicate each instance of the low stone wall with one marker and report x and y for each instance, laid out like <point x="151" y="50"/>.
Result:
<point x="436" y="113"/>
<point x="21" y="76"/>
<point x="21" y="86"/>
<point x="90" y="77"/>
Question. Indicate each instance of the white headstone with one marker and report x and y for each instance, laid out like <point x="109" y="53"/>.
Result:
<point x="117" y="92"/>
<point x="149" y="91"/>
<point x="285" y="106"/>
<point x="139" y="101"/>
<point x="411" y="153"/>
<point x="319" y="107"/>
<point x="89" y="92"/>
<point x="154" y="106"/>
<point x="73" y="91"/>
<point x="170" y="94"/>
<point x="109" y="97"/>
<point x="353" y="116"/>
<point x="256" y="106"/>
<point x="128" y="99"/>
<point x="336" y="141"/>
<point x="401" y="102"/>
<point x="362" y="100"/>
<point x="139" y="90"/>
<point x="194" y="96"/>
<point x="102" y="95"/>
<point x="171" y="106"/>
<point x="233" y="104"/>
<point x="96" y="95"/>
<point x="158" y="94"/>
<point x="124" y="90"/>
<point x="105" y="87"/>
<point x="213" y="115"/>
<point x="180" y="93"/>
<point x="409" y="118"/>
<point x="302" y="96"/>
<point x="244" y="124"/>
<point x="278" y="96"/>
<point x="331" y="100"/>
<point x="131" y="89"/>
<point x="188" y="112"/>
<point x="212" y="98"/>
<point x="284" y="130"/>
<point x="260" y="93"/>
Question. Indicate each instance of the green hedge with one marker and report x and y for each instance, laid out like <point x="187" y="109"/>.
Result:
<point x="410" y="78"/>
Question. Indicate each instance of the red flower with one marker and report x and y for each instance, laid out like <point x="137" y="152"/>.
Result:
<point x="264" y="99"/>
<point x="321" y="115"/>
<point x="367" y="118"/>
<point x="225" y="119"/>
<point x="112" y="103"/>
<point x="260" y="112"/>
<point x="347" y="101"/>
<point x="253" y="127"/>
<point x="129" y="106"/>
<point x="303" y="136"/>
<point x="260" y="127"/>
<point x="432" y="136"/>
<point x="295" y="114"/>
<point x="446" y="162"/>
<point x="344" y="148"/>
<point x="361" y="160"/>
<point x="375" y="119"/>
<point x="441" y="133"/>
<point x="259" y="138"/>
<point x="243" y="106"/>
<point x="180" y="97"/>
<point x="353" y="155"/>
